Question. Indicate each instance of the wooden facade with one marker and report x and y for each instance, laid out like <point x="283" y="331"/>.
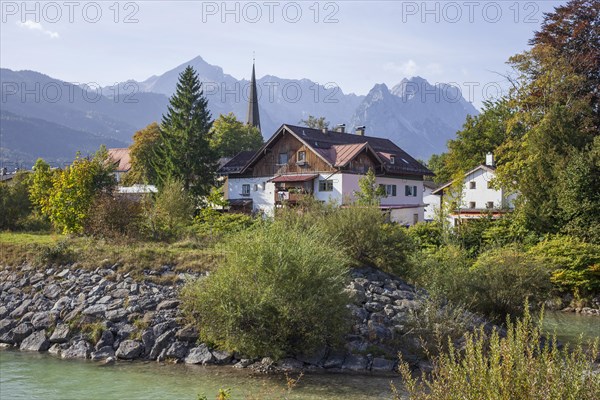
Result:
<point x="269" y="165"/>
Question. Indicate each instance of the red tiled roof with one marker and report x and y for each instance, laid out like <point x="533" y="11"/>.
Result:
<point x="120" y="157"/>
<point x="294" y="178"/>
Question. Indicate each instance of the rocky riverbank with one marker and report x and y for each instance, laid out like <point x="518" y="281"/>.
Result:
<point x="106" y="315"/>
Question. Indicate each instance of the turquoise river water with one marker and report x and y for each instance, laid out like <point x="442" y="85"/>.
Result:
<point x="41" y="376"/>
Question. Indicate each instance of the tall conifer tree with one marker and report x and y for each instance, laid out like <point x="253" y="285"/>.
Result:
<point x="184" y="152"/>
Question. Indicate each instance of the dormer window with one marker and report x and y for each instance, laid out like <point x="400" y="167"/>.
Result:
<point x="392" y="159"/>
<point x="301" y="156"/>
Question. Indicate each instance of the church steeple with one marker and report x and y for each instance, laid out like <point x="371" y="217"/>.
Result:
<point x="253" y="117"/>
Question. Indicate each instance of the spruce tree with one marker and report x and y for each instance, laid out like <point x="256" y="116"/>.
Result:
<point x="183" y="152"/>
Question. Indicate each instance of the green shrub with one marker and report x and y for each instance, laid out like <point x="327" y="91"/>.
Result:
<point x="66" y="197"/>
<point x="60" y="253"/>
<point x="443" y="272"/>
<point x="14" y="202"/>
<point x="360" y="231"/>
<point x="469" y="234"/>
<point x="576" y="264"/>
<point x="168" y="214"/>
<point x="277" y="291"/>
<point x="517" y="367"/>
<point x="495" y="284"/>
<point x="427" y="234"/>
<point x="210" y="222"/>
<point x="114" y="217"/>
<point x="435" y="323"/>
<point x="365" y="235"/>
<point x="502" y="279"/>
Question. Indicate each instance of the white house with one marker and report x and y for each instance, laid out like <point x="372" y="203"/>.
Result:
<point x="121" y="161"/>
<point x="479" y="197"/>
<point x="432" y="201"/>
<point x="328" y="165"/>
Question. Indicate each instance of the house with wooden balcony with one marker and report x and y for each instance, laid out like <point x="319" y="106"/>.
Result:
<point x="327" y="165"/>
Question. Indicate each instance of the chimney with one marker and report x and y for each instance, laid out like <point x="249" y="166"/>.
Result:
<point x="341" y="128"/>
<point x="489" y="159"/>
<point x="360" y="130"/>
<point x="324" y="130"/>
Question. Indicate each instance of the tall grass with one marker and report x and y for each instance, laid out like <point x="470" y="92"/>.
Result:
<point x="519" y="366"/>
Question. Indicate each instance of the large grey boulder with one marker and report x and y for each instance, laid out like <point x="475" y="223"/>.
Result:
<point x="382" y="365"/>
<point x="106" y="339"/>
<point x="21" y="332"/>
<point x="6" y="325"/>
<point x="355" y="362"/>
<point x="161" y="343"/>
<point x="178" y="351"/>
<point x="102" y="353"/>
<point x="116" y="315"/>
<point x="187" y="334"/>
<point x="129" y="350"/>
<point x="52" y="291"/>
<point x="42" y="320"/>
<point x="334" y="360"/>
<point x="79" y="349"/>
<point x="37" y="341"/>
<point x="290" y="365"/>
<point x="199" y="355"/>
<point x="97" y="310"/>
<point x="222" y="356"/>
<point x="167" y="305"/>
<point x="60" y="334"/>
<point x="22" y="309"/>
<point x="148" y="340"/>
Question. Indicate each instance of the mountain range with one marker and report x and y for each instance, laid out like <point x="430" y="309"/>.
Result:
<point x="46" y="117"/>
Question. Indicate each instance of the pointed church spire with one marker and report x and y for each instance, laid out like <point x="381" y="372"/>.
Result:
<point x="253" y="117"/>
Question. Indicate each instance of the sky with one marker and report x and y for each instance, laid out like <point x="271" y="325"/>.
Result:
<point x="354" y="44"/>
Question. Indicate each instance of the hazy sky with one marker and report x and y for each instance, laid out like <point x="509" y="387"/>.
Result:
<point x="355" y="44"/>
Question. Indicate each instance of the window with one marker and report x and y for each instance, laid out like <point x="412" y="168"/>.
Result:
<point x="326" y="185"/>
<point x="472" y="204"/>
<point x="283" y="158"/>
<point x="390" y="190"/>
<point x="246" y="190"/>
<point x="472" y="185"/>
<point x="256" y="187"/>
<point x="410" y="191"/>
<point x="415" y="219"/>
<point x="301" y="157"/>
<point x="489" y="185"/>
<point x="264" y="185"/>
<point x="392" y="159"/>
<point x="490" y="204"/>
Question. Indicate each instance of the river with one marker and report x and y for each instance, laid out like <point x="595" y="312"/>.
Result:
<point x="42" y="376"/>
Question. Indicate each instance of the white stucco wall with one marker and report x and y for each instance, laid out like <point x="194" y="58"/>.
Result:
<point x="344" y="186"/>
<point x="263" y="198"/>
<point x="481" y="195"/>
<point x="337" y="194"/>
<point x="433" y="204"/>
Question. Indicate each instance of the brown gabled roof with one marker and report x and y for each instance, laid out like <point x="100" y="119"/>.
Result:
<point x="339" y="155"/>
<point x="120" y="158"/>
<point x="337" y="148"/>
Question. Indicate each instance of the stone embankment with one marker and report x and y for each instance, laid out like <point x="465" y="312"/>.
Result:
<point x="104" y="315"/>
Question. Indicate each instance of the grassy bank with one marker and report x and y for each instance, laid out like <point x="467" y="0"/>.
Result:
<point x="132" y="256"/>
